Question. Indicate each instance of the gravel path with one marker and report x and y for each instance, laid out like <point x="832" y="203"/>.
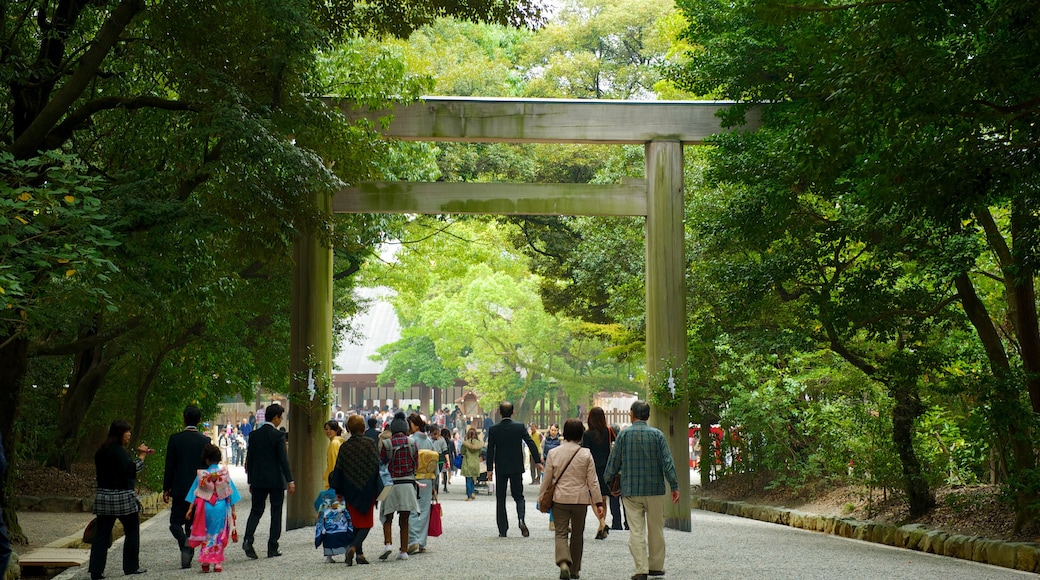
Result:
<point x="720" y="547"/>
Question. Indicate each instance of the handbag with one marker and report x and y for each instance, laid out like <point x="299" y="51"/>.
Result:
<point x="545" y="495"/>
<point x="436" y="523"/>
<point x="90" y="532"/>
<point x="458" y="461"/>
<point x="234" y="528"/>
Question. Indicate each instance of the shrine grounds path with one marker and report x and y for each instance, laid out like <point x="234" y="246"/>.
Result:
<point x="720" y="547"/>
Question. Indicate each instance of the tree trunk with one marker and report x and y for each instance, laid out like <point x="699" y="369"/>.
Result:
<point x="14" y="363"/>
<point x="1018" y="280"/>
<point x="908" y="408"/>
<point x="89" y="372"/>
<point x="1020" y="292"/>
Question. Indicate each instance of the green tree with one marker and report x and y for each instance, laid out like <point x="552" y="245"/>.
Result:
<point x="205" y="131"/>
<point x="477" y="305"/>
<point x="599" y="50"/>
<point x="902" y="110"/>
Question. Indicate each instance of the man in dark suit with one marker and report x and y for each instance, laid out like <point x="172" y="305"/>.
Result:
<point x="183" y="459"/>
<point x="372" y="433"/>
<point x="268" y="475"/>
<point x="505" y="456"/>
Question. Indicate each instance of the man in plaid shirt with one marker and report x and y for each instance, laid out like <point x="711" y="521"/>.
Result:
<point x="642" y="458"/>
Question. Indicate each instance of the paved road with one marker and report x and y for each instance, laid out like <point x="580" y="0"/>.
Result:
<point x="720" y="547"/>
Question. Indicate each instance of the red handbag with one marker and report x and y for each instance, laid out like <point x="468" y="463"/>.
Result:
<point x="436" y="525"/>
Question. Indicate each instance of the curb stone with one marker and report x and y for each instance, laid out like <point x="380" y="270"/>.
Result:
<point x="1024" y="556"/>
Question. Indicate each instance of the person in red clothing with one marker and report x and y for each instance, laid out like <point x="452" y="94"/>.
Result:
<point x="356" y="478"/>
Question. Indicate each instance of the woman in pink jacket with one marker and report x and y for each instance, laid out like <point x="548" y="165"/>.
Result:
<point x="571" y="466"/>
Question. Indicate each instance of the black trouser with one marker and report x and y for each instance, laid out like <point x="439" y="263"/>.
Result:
<point x="131" y="543"/>
<point x="516" y="486"/>
<point x="257" y="510"/>
<point x="359" y="539"/>
<point x="615" y="512"/>
<point x="180" y="525"/>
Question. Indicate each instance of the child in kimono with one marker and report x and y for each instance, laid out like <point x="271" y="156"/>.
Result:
<point x="213" y="497"/>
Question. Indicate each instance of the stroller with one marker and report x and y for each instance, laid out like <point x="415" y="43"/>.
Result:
<point x="482" y="481"/>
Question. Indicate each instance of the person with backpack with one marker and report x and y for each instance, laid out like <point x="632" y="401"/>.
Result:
<point x="401" y="457"/>
<point x="426" y="474"/>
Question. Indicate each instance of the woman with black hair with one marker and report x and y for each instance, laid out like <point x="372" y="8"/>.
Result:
<point x="116" y="476"/>
<point x="598" y="440"/>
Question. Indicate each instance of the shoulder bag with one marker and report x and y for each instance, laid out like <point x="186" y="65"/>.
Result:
<point x="545" y="495"/>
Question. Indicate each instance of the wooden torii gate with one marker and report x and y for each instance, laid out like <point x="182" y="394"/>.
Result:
<point x="663" y="127"/>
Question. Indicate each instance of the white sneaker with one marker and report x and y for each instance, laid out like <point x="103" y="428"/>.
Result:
<point x="387" y="550"/>
<point x="402" y="555"/>
<point x="328" y="559"/>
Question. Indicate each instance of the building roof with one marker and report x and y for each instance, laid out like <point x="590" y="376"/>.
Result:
<point x="375" y="327"/>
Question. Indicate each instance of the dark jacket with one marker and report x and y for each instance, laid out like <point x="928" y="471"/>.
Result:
<point x="267" y="465"/>
<point x="183" y="459"/>
<point x="599" y="444"/>
<point x="115" y="469"/>
<point x="505" y="447"/>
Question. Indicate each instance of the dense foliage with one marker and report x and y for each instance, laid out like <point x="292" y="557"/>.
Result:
<point x="880" y="214"/>
<point x="160" y="158"/>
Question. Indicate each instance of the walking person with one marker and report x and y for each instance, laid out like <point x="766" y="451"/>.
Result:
<point x="598" y="440"/>
<point x="224" y="443"/>
<point x="116" y="475"/>
<point x="332" y="545"/>
<point x="239" y="448"/>
<point x="448" y="457"/>
<point x="356" y="478"/>
<point x="642" y="458"/>
<point x="536" y="436"/>
<point x="268" y="475"/>
<point x="213" y="497"/>
<point x="401" y="457"/>
<point x="372" y="432"/>
<point x="183" y="461"/>
<point x="334" y="431"/>
<point x="551" y="441"/>
<point x="573" y="470"/>
<point x="505" y="453"/>
<point x="426" y="476"/>
<point x="472" y="446"/>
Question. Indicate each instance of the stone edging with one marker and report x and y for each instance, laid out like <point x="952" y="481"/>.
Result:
<point x="151" y="504"/>
<point x="1023" y="556"/>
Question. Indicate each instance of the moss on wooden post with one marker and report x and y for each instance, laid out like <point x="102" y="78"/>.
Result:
<point x="310" y="355"/>
<point x="666" y="310"/>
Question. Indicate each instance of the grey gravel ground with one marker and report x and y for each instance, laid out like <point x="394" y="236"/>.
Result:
<point x="720" y="547"/>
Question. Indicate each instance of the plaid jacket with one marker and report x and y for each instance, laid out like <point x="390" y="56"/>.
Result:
<point x="641" y="455"/>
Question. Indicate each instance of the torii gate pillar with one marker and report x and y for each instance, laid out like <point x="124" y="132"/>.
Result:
<point x="310" y="356"/>
<point x="666" y="308"/>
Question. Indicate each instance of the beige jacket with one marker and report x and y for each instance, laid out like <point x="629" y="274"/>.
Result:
<point x="579" y="484"/>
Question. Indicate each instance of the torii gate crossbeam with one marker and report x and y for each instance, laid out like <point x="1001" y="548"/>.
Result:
<point x="662" y="126"/>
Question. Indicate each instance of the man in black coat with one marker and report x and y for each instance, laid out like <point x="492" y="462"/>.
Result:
<point x="505" y="456"/>
<point x="372" y="433"/>
<point x="183" y="459"/>
<point x="268" y="475"/>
